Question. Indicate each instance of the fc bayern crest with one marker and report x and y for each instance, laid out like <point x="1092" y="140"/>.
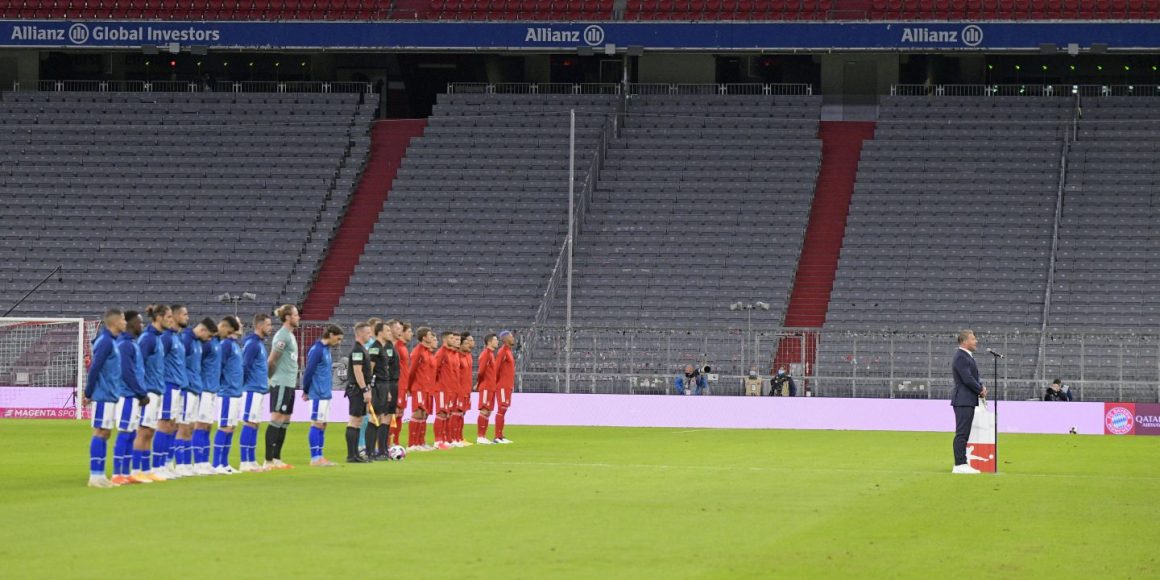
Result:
<point x="1119" y="420"/>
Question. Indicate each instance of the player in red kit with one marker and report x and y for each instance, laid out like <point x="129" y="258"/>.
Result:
<point x="447" y="383"/>
<point x="485" y="384"/>
<point x="505" y="379"/>
<point x="421" y="381"/>
<point x="463" y="395"/>
<point x="402" y="332"/>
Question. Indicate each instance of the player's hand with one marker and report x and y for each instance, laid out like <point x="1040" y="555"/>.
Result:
<point x="85" y="401"/>
<point x="983" y="392"/>
<point x="143" y="401"/>
<point x="367" y="398"/>
<point x="304" y="398"/>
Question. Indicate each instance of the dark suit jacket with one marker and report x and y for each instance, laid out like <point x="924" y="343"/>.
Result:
<point x="967" y="384"/>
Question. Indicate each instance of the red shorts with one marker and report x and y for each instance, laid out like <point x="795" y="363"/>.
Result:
<point x="463" y="402"/>
<point x="486" y="399"/>
<point x="443" y="401"/>
<point x="504" y="398"/>
<point x="421" y="400"/>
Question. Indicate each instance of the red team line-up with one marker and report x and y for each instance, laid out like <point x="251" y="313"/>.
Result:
<point x="163" y="383"/>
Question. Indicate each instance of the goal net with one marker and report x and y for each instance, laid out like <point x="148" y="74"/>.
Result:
<point x="42" y="366"/>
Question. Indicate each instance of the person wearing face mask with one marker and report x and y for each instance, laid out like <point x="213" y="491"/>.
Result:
<point x="691" y="382"/>
<point x="782" y="385"/>
<point x="752" y="383"/>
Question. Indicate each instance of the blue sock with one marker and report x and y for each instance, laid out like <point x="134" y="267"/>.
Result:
<point x="200" y="443"/>
<point x="123" y="452"/>
<point x="178" y="450"/>
<point x="362" y="436"/>
<point x="315" y="439"/>
<point x="219" y="448"/>
<point x="248" y="443"/>
<point x="98" y="449"/>
<point x="138" y="460"/>
<point x="159" y="449"/>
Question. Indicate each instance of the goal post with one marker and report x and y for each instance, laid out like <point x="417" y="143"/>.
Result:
<point x="43" y="365"/>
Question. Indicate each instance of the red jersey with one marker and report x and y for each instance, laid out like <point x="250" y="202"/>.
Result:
<point x="465" y="363"/>
<point x="421" y="374"/>
<point x="505" y="368"/>
<point x="486" y="375"/>
<point x="404" y="369"/>
<point x="447" y="370"/>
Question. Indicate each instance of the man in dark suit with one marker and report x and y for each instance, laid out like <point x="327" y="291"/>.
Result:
<point x="965" y="397"/>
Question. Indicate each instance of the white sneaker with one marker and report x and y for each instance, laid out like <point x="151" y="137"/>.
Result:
<point x="965" y="469"/>
<point x="159" y="475"/>
<point x="482" y="441"/>
<point x="457" y="444"/>
<point x="225" y="470"/>
<point x="100" y="481"/>
<point x="502" y="441"/>
<point x="185" y="471"/>
<point x="202" y="469"/>
<point x="414" y="449"/>
<point x="167" y="473"/>
<point x="248" y="467"/>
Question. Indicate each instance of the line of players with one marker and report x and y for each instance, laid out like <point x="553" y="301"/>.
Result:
<point x="435" y="378"/>
<point x="163" y="385"/>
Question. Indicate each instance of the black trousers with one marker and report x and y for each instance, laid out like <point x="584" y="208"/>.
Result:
<point x="964" y="416"/>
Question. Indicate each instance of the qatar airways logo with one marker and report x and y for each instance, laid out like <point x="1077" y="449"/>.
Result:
<point x="591" y="36"/>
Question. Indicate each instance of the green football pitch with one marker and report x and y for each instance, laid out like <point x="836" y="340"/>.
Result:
<point x="599" y="503"/>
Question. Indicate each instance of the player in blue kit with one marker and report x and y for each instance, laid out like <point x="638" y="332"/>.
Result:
<point x="229" y="394"/>
<point x="176" y="380"/>
<point x="100" y="394"/>
<point x="317" y="384"/>
<point x="153" y="356"/>
<point x="211" y="380"/>
<point x="192" y="339"/>
<point x="255" y="385"/>
<point x="131" y="398"/>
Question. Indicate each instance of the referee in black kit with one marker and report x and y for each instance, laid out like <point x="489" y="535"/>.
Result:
<point x="384" y="390"/>
<point x="358" y="389"/>
<point x="965" y="397"/>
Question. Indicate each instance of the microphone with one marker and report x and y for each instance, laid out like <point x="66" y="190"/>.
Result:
<point x="989" y="351"/>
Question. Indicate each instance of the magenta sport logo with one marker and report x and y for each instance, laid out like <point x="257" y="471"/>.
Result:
<point x="1119" y="419"/>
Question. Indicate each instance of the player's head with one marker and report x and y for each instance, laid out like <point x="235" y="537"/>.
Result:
<point x="373" y="322"/>
<point x="507" y="338"/>
<point x="382" y="332"/>
<point x="408" y="334"/>
<point x="133" y="323"/>
<point x="362" y="332"/>
<point x="450" y="339"/>
<point x="426" y="336"/>
<point x="158" y="315"/>
<point x="288" y="314"/>
<point x="262" y="324"/>
<point x="967" y="339"/>
<point x="230" y="326"/>
<point x="114" y="321"/>
<point x="332" y="336"/>
<point x="491" y="342"/>
<point x="180" y="316"/>
<point x="204" y="329"/>
<point x="396" y="328"/>
<point x="466" y="341"/>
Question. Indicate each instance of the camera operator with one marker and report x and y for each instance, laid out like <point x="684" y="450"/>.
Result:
<point x="782" y="385"/>
<point x="692" y="382"/>
<point x="752" y="383"/>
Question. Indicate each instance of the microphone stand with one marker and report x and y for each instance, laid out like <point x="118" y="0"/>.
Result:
<point x="995" y="382"/>
<point x="34" y="289"/>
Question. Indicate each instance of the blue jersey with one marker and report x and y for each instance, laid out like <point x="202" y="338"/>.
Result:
<point x="174" y="360"/>
<point x="104" y="370"/>
<point x="231" y="361"/>
<point x="193" y="355"/>
<point x="211" y="366"/>
<point x="132" y="367"/>
<point x="153" y="353"/>
<point x="254" y="362"/>
<point x="318" y="379"/>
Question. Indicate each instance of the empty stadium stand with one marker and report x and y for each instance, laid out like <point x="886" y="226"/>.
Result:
<point x="477" y="213"/>
<point x="582" y="10"/>
<point x="172" y="197"/>
<point x="950" y="226"/>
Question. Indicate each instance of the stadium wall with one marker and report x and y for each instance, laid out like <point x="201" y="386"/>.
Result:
<point x="554" y="409"/>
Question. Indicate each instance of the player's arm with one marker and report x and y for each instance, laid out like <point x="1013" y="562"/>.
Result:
<point x="275" y="356"/>
<point x="101" y="354"/>
<point x="249" y="355"/>
<point x="312" y="361"/>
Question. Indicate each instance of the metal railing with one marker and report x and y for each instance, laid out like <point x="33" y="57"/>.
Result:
<point x="786" y="89"/>
<point x="139" y="86"/>
<point x="845" y="363"/>
<point x="533" y="89"/>
<point x="1061" y="186"/>
<point x="1024" y="90"/>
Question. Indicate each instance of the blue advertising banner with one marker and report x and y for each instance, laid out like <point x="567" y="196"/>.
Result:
<point x="706" y="36"/>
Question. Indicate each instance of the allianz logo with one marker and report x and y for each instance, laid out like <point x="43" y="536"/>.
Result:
<point x="970" y="35"/>
<point x="592" y="35"/>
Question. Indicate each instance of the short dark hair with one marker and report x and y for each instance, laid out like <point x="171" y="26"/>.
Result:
<point x="131" y="315"/>
<point x="1057" y="382"/>
<point x="260" y="318"/>
<point x="209" y="324"/>
<point x="110" y="313"/>
<point x="464" y="335"/>
<point x="422" y="333"/>
<point x="406" y="325"/>
<point x="489" y="338"/>
<point x="379" y="326"/>
<point x="233" y="322"/>
<point x="176" y="307"/>
<point x="332" y="330"/>
<point x="445" y="334"/>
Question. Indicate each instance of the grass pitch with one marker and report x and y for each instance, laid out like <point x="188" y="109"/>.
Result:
<point x="599" y="503"/>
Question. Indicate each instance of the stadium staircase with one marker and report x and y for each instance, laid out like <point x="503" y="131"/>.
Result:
<point x="841" y="150"/>
<point x="389" y="142"/>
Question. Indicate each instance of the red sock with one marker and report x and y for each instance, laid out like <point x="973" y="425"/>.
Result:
<point x="398" y="429"/>
<point x="481" y="426"/>
<point x="441" y="429"/>
<point x="499" y="423"/>
<point x="459" y="428"/>
<point x="462" y="426"/>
